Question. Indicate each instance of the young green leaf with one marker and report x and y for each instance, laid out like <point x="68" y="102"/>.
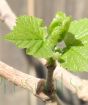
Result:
<point x="75" y="58"/>
<point x="30" y="33"/>
<point x="58" y="28"/>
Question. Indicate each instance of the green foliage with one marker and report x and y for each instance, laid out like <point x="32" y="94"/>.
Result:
<point x="40" y="41"/>
<point x="58" y="28"/>
<point x="30" y="33"/>
<point x="75" y="56"/>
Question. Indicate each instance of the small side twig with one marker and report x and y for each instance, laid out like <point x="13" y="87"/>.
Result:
<point x="49" y="88"/>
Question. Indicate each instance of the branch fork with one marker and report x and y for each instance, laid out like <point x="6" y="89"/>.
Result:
<point x="73" y="83"/>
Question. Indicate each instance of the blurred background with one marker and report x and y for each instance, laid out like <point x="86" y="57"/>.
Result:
<point x="46" y="9"/>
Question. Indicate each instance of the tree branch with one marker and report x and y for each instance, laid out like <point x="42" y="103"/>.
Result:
<point x="18" y="78"/>
<point x="23" y="80"/>
<point x="72" y="82"/>
<point x="33" y="84"/>
<point x="6" y="14"/>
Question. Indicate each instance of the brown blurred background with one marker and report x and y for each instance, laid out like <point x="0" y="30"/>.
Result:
<point x="46" y="9"/>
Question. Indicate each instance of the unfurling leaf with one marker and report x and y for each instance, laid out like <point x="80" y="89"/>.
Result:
<point x="58" y="28"/>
